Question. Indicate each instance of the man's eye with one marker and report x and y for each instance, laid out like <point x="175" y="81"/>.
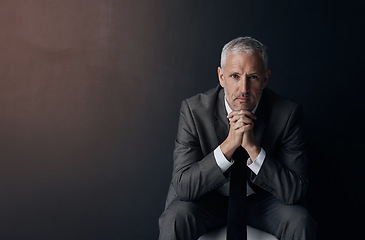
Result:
<point x="253" y="77"/>
<point x="234" y="76"/>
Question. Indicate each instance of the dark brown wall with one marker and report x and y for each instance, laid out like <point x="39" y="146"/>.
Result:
<point x="90" y="93"/>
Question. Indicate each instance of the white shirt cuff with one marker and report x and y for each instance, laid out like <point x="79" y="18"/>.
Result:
<point x="221" y="160"/>
<point x="256" y="165"/>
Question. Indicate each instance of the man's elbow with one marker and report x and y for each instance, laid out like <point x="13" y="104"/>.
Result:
<point x="297" y="195"/>
<point x="182" y="189"/>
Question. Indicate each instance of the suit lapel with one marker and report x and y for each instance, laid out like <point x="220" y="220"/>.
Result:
<point x="260" y="123"/>
<point x="221" y="124"/>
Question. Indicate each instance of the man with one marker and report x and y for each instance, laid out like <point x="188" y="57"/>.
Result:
<point x="240" y="112"/>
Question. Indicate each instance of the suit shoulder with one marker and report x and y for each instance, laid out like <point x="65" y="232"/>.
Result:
<point x="279" y="102"/>
<point x="204" y="100"/>
<point x="277" y="109"/>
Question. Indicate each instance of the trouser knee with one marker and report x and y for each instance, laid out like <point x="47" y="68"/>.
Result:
<point x="297" y="224"/>
<point x="180" y="221"/>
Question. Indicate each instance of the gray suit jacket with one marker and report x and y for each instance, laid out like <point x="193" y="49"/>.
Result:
<point x="203" y="126"/>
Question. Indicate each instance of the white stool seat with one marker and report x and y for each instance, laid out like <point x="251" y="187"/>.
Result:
<point x="252" y="234"/>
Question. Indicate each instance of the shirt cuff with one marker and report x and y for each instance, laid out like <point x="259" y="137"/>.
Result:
<point x="221" y="160"/>
<point x="256" y="165"/>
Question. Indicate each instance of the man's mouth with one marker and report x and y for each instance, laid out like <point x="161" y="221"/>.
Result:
<point x="243" y="99"/>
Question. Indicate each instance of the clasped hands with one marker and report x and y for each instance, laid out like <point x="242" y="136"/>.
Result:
<point x="241" y="134"/>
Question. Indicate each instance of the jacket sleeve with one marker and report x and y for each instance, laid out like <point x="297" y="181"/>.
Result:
<point x="284" y="172"/>
<point x="193" y="173"/>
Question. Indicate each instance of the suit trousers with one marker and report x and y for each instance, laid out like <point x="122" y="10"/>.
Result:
<point x="189" y="220"/>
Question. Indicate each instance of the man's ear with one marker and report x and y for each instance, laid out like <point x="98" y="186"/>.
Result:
<point x="267" y="76"/>
<point x="220" y="77"/>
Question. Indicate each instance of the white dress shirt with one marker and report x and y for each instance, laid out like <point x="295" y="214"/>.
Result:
<point x="224" y="163"/>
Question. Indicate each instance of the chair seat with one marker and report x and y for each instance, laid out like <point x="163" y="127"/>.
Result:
<point x="252" y="234"/>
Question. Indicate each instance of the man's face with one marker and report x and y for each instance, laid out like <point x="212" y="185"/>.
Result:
<point x="243" y="79"/>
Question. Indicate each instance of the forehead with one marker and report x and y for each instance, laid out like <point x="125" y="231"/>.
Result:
<point x="244" y="61"/>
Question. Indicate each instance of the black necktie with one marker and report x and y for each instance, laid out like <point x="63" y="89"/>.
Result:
<point x="236" y="220"/>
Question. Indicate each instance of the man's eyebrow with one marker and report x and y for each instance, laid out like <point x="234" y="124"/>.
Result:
<point x="234" y="72"/>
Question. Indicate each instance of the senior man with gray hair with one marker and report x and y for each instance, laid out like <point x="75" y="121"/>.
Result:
<point x="240" y="124"/>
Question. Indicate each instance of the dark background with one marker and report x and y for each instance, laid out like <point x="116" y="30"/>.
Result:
<point x="90" y="92"/>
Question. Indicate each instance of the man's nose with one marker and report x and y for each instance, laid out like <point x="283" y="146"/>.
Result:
<point x="244" y="85"/>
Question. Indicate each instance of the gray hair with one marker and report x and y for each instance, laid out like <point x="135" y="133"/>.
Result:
<point x="244" y="44"/>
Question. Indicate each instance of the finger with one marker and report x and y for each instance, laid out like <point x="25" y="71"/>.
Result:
<point x="241" y="125"/>
<point x="239" y="118"/>
<point x="246" y="113"/>
<point x="234" y="118"/>
<point x="232" y="114"/>
<point x="246" y="128"/>
<point x="243" y="129"/>
<point x="237" y="125"/>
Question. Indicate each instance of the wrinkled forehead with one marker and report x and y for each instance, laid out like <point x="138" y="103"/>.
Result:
<point x="244" y="61"/>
